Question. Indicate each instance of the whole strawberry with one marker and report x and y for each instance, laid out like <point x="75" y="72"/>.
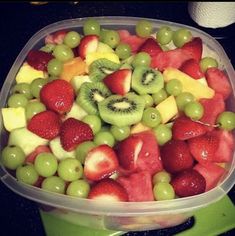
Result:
<point x="74" y="132"/>
<point x="57" y="95"/>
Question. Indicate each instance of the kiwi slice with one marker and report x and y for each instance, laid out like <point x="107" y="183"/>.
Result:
<point x="122" y="110"/>
<point x="90" y="94"/>
<point x="146" y="80"/>
<point x="100" y="68"/>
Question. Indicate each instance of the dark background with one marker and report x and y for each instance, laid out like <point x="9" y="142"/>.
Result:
<point x="21" y="20"/>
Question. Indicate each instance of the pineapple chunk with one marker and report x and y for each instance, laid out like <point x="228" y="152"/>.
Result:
<point x="139" y="127"/>
<point x="78" y="80"/>
<point x="97" y="55"/>
<point x="203" y="81"/>
<point x="103" y="47"/>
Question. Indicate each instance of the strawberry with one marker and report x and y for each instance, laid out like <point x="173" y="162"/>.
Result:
<point x="88" y="44"/>
<point x="218" y="81"/>
<point x="57" y="95"/>
<point x="74" y="132"/>
<point x="192" y="68"/>
<point x="151" y="47"/>
<point x="188" y="183"/>
<point x="119" y="82"/>
<point x="194" y="48"/>
<point x="203" y="148"/>
<point x="39" y="59"/>
<point x="45" y="124"/>
<point x="176" y="156"/>
<point x="31" y="157"/>
<point x="108" y="190"/>
<point x="184" y="128"/>
<point x="56" y="38"/>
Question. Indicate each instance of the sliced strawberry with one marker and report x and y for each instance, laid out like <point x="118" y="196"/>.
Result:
<point x="100" y="163"/>
<point x="57" y="95"/>
<point x="74" y="132"/>
<point x="31" y="157"/>
<point x="119" y="82"/>
<point x="56" y="38"/>
<point x="194" y="48"/>
<point x="176" y="156"/>
<point x="138" y="186"/>
<point x="88" y="44"/>
<point x="184" y="128"/>
<point x="45" y="124"/>
<point x="203" y="148"/>
<point x="108" y="190"/>
<point x="192" y="68"/>
<point x="123" y="34"/>
<point x="151" y="47"/>
<point x="211" y="172"/>
<point x="188" y="183"/>
<point x="39" y="59"/>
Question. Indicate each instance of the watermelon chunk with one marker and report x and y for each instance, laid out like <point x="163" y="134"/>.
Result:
<point x="138" y="186"/>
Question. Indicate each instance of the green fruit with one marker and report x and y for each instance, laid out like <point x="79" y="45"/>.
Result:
<point x="54" y="184"/>
<point x="174" y="87"/>
<point x="164" y="35"/>
<point x="36" y="86"/>
<point x="207" y="62"/>
<point x="111" y="38"/>
<point x="120" y="133"/>
<point x="182" y="99"/>
<point x="163" y="134"/>
<point x="104" y="137"/>
<point x="33" y="108"/>
<point x="72" y="39"/>
<point x="27" y="174"/>
<point x="163" y="191"/>
<point x="161" y="177"/>
<point x="123" y="51"/>
<point x="143" y="28"/>
<point x="194" y="110"/>
<point x="91" y="26"/>
<point x="23" y="88"/>
<point x="148" y="100"/>
<point x="151" y="117"/>
<point x="78" y="188"/>
<point x="63" y="52"/>
<point x="226" y="120"/>
<point x="94" y="122"/>
<point x="55" y="67"/>
<point x="82" y="150"/>
<point x="159" y="96"/>
<point x="17" y="100"/>
<point x="141" y="59"/>
<point x="181" y="36"/>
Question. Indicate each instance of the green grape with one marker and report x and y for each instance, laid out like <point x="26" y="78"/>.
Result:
<point x="27" y="174"/>
<point x="194" y="110"/>
<point x="163" y="134"/>
<point x="160" y="96"/>
<point x="49" y="47"/>
<point x="36" y="86"/>
<point x="102" y="34"/>
<point x="164" y="35"/>
<point x="207" y="62"/>
<point x="72" y="39"/>
<point x="226" y="120"/>
<point x="148" y="100"/>
<point x="174" y="87"/>
<point x="17" y="100"/>
<point x="94" y="122"/>
<point x="78" y="188"/>
<point x="104" y="137"/>
<point x="161" y="177"/>
<point x="55" y="67"/>
<point x="91" y="26"/>
<point x="54" y="184"/>
<point x="82" y="150"/>
<point x="70" y="169"/>
<point x="183" y="98"/>
<point x="151" y="117"/>
<point x="163" y="191"/>
<point x="141" y="59"/>
<point x="46" y="164"/>
<point x="123" y="50"/>
<point x="12" y="157"/>
<point x="23" y="88"/>
<point x="143" y="28"/>
<point x="120" y="133"/>
<point x="181" y="36"/>
<point x="33" y="108"/>
<point x="111" y="37"/>
<point x="63" y="52"/>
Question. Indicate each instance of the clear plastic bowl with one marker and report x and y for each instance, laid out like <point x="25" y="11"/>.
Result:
<point x="124" y="216"/>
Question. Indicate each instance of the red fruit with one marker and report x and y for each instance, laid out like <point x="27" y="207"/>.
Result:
<point x="39" y="59"/>
<point x="151" y="47"/>
<point x="203" y="148"/>
<point x="31" y="157"/>
<point x="100" y="163"/>
<point x="192" y="68"/>
<point x="108" y="190"/>
<point x="57" y="95"/>
<point x="74" y="132"/>
<point x="138" y="186"/>
<point x="56" y="38"/>
<point x="88" y="44"/>
<point x="176" y="156"/>
<point x="194" y="48"/>
<point x="119" y="82"/>
<point x="39" y="182"/>
<point x="45" y="124"/>
<point x="211" y="172"/>
<point x="188" y="183"/>
<point x="218" y="81"/>
<point x="184" y="128"/>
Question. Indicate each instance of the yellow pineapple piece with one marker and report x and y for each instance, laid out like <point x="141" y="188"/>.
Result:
<point x="139" y="127"/>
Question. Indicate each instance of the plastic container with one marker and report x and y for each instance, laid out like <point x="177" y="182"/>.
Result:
<point x="123" y="216"/>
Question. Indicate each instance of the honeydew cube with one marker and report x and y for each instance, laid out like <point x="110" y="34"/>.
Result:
<point x="168" y="109"/>
<point x="13" y="118"/>
<point x="189" y="84"/>
<point x="27" y="74"/>
<point x="76" y="112"/>
<point x="78" y="80"/>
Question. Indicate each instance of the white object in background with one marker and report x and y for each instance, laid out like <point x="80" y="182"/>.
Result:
<point x="212" y="14"/>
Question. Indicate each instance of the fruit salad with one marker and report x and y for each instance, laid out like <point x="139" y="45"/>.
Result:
<point x="112" y="115"/>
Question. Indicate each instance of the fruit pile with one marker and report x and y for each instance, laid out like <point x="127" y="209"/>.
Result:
<point x="109" y="115"/>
